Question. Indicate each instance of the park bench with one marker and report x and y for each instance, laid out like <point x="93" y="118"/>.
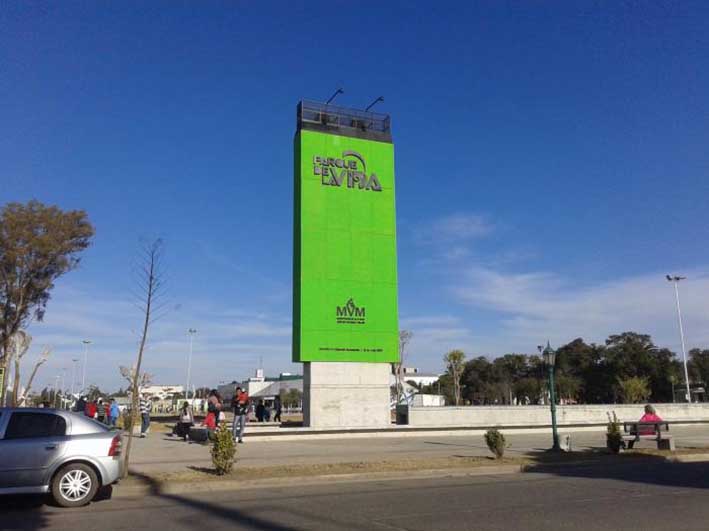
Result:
<point x="650" y="431"/>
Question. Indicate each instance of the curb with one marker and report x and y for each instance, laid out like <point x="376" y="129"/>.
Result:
<point x="138" y="489"/>
<point x="161" y="488"/>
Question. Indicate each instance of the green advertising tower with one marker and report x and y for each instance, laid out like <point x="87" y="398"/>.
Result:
<point x="345" y="320"/>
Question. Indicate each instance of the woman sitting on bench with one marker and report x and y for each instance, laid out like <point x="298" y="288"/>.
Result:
<point x="650" y="416"/>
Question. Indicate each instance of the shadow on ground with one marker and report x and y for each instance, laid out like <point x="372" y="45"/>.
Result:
<point x="649" y="469"/>
<point x="33" y="511"/>
<point x="235" y="516"/>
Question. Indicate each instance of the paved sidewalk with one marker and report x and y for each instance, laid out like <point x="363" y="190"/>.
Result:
<point x="159" y="453"/>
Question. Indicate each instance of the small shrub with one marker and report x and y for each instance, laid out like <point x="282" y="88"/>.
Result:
<point x="614" y="438"/>
<point x="223" y="450"/>
<point x="496" y="442"/>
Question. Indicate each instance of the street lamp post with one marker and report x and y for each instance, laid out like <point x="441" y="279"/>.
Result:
<point x="86" y="343"/>
<point x="549" y="356"/>
<point x="191" y="332"/>
<point x="73" y="375"/>
<point x="675" y="280"/>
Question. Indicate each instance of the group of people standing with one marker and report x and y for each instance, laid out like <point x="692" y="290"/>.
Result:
<point x="106" y="411"/>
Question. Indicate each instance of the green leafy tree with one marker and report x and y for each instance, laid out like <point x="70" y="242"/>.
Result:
<point x="568" y="388"/>
<point x="477" y="374"/>
<point x="698" y="366"/>
<point x="38" y="244"/>
<point x="527" y="390"/>
<point x="634" y="390"/>
<point x="454" y="361"/>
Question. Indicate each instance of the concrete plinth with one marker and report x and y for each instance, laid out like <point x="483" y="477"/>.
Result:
<point x="346" y="395"/>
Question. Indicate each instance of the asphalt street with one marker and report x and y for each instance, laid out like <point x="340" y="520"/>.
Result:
<point x="648" y="496"/>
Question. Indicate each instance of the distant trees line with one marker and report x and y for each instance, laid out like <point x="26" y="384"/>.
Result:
<point x="628" y="368"/>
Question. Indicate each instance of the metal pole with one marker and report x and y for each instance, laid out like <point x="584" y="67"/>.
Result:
<point x="191" y="333"/>
<point x="73" y="375"/>
<point x="56" y="390"/>
<point x="552" y="396"/>
<point x="681" y="336"/>
<point x="86" y="343"/>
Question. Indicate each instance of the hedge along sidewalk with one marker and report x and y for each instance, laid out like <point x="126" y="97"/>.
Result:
<point x="199" y="479"/>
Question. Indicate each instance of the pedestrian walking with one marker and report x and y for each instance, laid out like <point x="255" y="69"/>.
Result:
<point x="277" y="407"/>
<point x="186" y="421"/>
<point x="240" y="406"/>
<point x="113" y="413"/>
<point x="144" y="416"/>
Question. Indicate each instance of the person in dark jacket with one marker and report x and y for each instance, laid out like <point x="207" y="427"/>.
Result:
<point x="277" y="409"/>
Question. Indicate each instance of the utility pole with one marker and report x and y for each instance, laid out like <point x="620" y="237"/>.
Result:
<point x="675" y="281"/>
<point x="73" y="375"/>
<point x="86" y="343"/>
<point x="191" y="332"/>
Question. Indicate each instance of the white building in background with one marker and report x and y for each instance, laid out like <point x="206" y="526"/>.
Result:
<point x="263" y="387"/>
<point x="413" y="374"/>
<point x="162" y="392"/>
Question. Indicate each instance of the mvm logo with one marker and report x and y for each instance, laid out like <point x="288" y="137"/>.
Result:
<point x="350" y="313"/>
<point x="350" y="171"/>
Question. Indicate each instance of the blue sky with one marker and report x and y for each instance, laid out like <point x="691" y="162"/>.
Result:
<point x="552" y="166"/>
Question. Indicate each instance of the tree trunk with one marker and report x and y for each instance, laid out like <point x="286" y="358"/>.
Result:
<point x="16" y="382"/>
<point x="135" y="414"/>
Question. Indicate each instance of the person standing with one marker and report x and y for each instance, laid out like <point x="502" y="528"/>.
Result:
<point x="90" y="410"/>
<point x="113" y="413"/>
<point x="100" y="411"/>
<point x="277" y="407"/>
<point x="260" y="411"/>
<point x="214" y="405"/>
<point x="144" y="416"/>
<point x="186" y="421"/>
<point x="240" y="405"/>
<point x="80" y="405"/>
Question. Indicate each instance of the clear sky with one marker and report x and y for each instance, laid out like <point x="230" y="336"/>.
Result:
<point x="552" y="166"/>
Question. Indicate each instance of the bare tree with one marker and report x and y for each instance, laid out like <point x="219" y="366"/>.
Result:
<point x="404" y="338"/>
<point x="43" y="357"/>
<point x="149" y="282"/>
<point x="18" y="345"/>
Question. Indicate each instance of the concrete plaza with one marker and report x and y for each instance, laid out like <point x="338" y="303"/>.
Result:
<point x="160" y="453"/>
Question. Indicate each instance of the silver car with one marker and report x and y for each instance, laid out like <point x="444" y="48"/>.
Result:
<point x="66" y="454"/>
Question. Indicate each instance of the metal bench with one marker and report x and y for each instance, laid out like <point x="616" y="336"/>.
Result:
<point x="650" y="431"/>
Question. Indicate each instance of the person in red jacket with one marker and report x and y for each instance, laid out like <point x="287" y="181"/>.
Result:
<point x="90" y="410"/>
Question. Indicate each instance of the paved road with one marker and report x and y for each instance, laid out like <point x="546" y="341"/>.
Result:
<point x="160" y="453"/>
<point x="648" y="497"/>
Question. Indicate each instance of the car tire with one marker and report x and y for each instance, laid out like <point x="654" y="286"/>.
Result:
<point x="74" y="485"/>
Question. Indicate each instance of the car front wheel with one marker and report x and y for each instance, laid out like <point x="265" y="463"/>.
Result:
<point x="74" y="485"/>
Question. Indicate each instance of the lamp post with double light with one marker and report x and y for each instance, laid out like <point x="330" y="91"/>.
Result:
<point x="549" y="357"/>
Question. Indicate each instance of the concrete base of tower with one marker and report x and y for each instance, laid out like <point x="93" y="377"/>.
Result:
<point x="346" y="395"/>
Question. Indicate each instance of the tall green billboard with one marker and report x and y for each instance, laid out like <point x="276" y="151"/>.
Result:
<point x="344" y="275"/>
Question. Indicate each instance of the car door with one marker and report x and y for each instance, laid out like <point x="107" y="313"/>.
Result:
<point x="32" y="441"/>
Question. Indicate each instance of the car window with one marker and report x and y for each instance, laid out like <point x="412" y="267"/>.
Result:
<point x="33" y="425"/>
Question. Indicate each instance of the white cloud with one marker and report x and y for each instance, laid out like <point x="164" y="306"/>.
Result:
<point x="229" y="344"/>
<point x="534" y="306"/>
<point x="453" y="229"/>
<point x="433" y="336"/>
